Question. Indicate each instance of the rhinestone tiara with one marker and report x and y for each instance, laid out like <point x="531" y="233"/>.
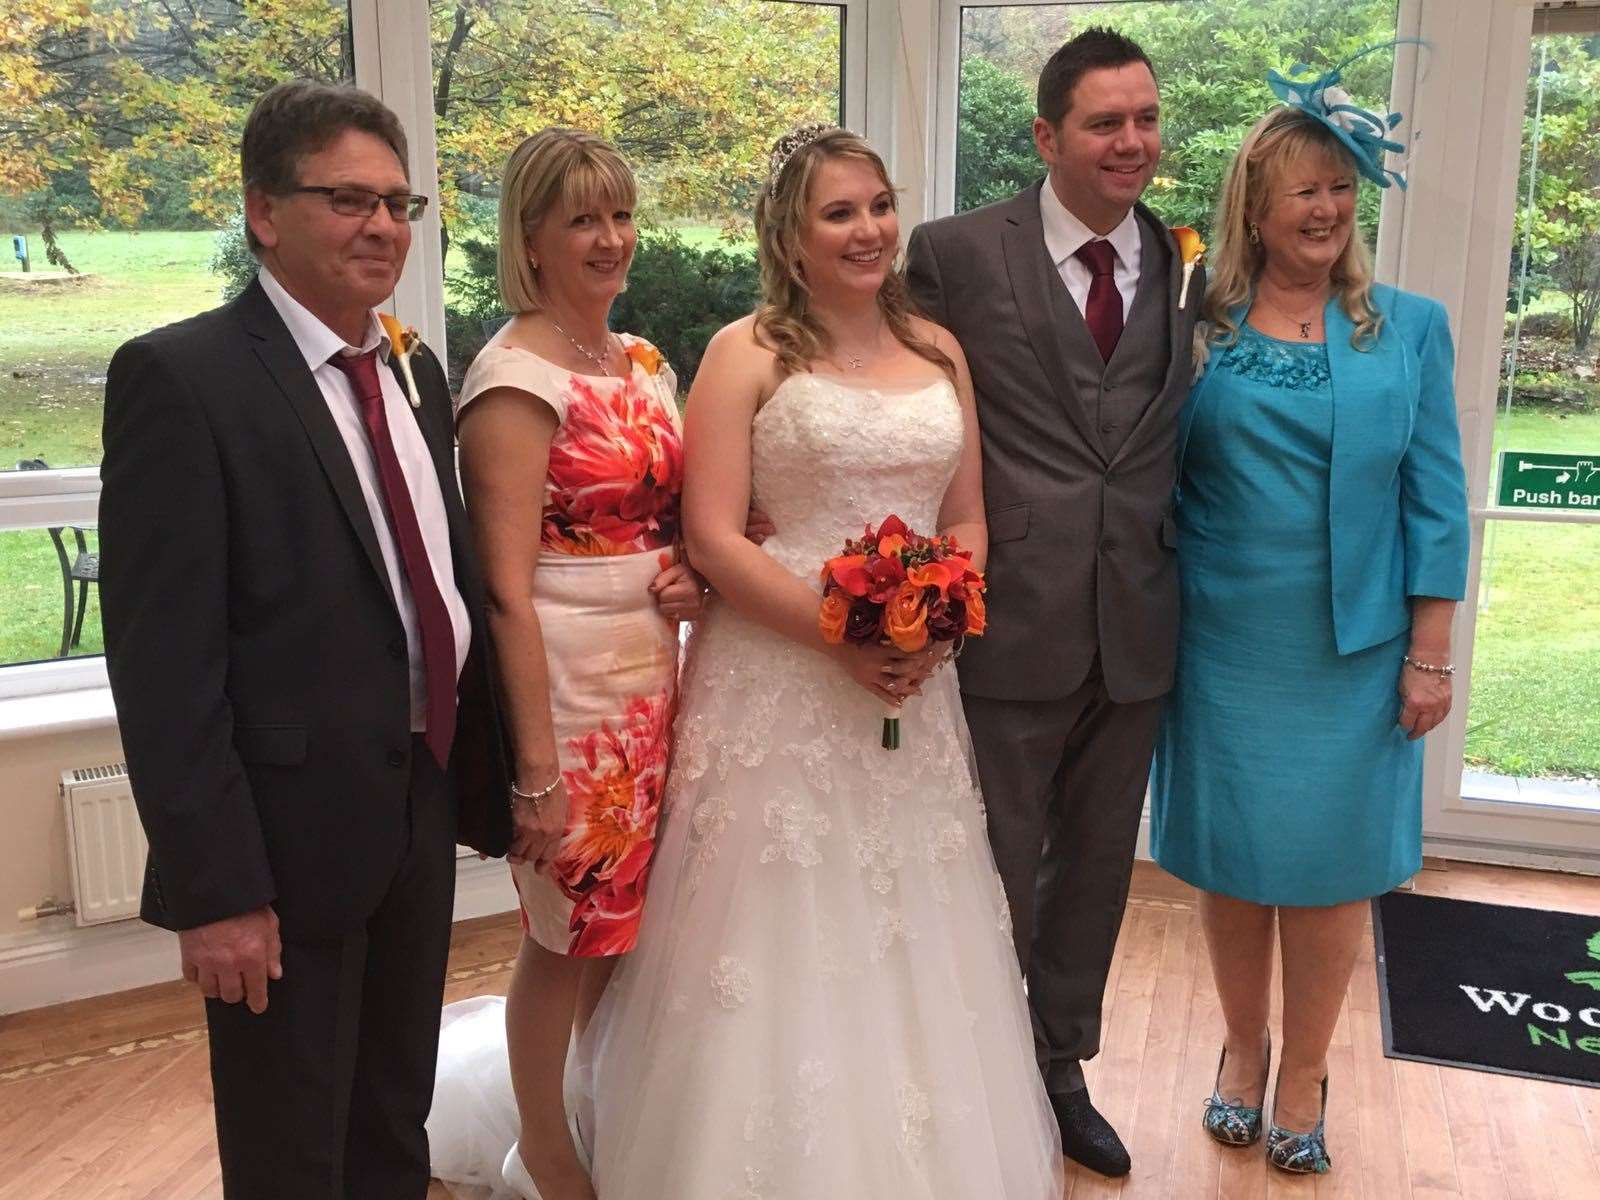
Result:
<point x="791" y="144"/>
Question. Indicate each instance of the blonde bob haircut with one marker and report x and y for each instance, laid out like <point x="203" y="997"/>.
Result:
<point x="1278" y="141"/>
<point x="784" y="322"/>
<point x="556" y="168"/>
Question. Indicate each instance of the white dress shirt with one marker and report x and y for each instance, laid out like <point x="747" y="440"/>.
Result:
<point x="317" y="344"/>
<point x="1064" y="233"/>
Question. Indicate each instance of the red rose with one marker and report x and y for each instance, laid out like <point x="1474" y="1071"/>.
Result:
<point x="862" y="625"/>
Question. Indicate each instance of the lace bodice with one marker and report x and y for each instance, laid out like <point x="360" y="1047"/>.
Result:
<point x="1297" y="366"/>
<point x="830" y="457"/>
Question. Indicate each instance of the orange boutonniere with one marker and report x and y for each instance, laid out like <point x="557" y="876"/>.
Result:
<point x="646" y="355"/>
<point x="1190" y="250"/>
<point x="403" y="339"/>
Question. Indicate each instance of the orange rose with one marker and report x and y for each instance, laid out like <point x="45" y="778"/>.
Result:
<point x="646" y="355"/>
<point x="835" y="608"/>
<point x="977" y="615"/>
<point x="906" y="619"/>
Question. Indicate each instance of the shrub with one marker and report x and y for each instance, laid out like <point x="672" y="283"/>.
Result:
<point x="679" y="296"/>
<point x="231" y="258"/>
<point x="1554" y="325"/>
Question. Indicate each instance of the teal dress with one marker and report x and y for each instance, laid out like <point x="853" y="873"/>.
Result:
<point x="1281" y="776"/>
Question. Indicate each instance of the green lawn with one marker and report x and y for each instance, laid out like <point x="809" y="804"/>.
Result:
<point x="1535" y="706"/>
<point x="1536" y="669"/>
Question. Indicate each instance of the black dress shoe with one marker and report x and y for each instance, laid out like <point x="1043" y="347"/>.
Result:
<point x="1087" y="1137"/>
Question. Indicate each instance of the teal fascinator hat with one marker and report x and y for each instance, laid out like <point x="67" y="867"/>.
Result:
<point x="1363" y="132"/>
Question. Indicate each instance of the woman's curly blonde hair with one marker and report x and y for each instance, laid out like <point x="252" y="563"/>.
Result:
<point x="1276" y="142"/>
<point x="784" y="322"/>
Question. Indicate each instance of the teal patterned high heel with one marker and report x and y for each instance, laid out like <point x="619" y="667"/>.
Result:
<point x="1234" y="1124"/>
<point x="1300" y="1153"/>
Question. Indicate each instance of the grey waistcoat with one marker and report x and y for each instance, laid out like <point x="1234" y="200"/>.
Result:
<point x="1114" y="395"/>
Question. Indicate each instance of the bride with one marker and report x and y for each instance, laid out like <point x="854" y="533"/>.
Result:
<point x="824" y="1000"/>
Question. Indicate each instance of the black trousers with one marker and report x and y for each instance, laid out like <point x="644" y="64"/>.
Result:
<point x="324" y="1095"/>
<point x="1064" y="785"/>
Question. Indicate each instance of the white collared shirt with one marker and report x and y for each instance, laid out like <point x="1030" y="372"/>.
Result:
<point x="1064" y="233"/>
<point x="317" y="344"/>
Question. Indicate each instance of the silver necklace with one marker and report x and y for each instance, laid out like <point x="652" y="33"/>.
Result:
<point x="857" y="361"/>
<point x="597" y="359"/>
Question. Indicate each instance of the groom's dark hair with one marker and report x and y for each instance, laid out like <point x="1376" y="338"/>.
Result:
<point x="1091" y="50"/>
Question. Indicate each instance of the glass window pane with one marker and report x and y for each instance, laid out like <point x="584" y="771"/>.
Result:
<point x="1211" y="59"/>
<point x="1533" y="723"/>
<point x="37" y="569"/>
<point x="1535" y="707"/>
<point x="119" y="202"/>
<point x="119" y="174"/>
<point x="693" y="92"/>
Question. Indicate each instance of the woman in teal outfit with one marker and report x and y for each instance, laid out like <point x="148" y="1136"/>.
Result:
<point x="1322" y="547"/>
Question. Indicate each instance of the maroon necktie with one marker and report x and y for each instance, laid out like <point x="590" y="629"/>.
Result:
<point x="1103" y="312"/>
<point x="433" y="618"/>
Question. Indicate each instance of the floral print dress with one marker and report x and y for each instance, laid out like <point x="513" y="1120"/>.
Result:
<point x="610" y="512"/>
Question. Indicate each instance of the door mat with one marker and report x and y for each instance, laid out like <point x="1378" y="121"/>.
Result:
<point x="1489" y="987"/>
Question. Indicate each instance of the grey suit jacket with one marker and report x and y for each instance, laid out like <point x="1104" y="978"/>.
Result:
<point x="1082" y="548"/>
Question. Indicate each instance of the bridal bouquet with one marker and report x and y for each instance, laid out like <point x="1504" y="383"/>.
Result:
<point x="894" y="586"/>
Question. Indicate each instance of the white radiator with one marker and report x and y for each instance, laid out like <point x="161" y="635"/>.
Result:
<point x="105" y="842"/>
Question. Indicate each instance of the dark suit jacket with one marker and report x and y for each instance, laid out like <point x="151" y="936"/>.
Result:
<point x="256" y="655"/>
<point x="1081" y="541"/>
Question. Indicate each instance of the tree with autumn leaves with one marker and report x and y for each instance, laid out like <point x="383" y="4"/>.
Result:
<point x="109" y="107"/>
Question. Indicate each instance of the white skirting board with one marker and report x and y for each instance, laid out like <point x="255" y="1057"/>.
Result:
<point x="58" y="961"/>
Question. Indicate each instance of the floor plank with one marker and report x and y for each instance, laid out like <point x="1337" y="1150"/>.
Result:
<point x="109" y="1099"/>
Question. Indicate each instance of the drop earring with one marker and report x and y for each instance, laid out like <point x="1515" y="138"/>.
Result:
<point x="1255" y="234"/>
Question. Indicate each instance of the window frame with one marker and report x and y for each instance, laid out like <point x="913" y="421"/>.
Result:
<point x="393" y="59"/>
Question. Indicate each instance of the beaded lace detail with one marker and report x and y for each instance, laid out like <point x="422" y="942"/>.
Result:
<point x="1278" y="363"/>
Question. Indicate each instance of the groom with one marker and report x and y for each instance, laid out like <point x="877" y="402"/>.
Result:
<point x="1065" y="298"/>
<point x="295" y="641"/>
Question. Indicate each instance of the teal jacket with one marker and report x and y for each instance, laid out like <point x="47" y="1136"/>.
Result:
<point x="1397" y="496"/>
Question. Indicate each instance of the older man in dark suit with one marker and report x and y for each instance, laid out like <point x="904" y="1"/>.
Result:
<point x="1066" y="299"/>
<point x="295" y="643"/>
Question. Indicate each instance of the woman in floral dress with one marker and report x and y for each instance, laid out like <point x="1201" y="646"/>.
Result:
<point x="572" y="464"/>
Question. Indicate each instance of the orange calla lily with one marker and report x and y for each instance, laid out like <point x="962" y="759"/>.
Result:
<point x="1190" y="250"/>
<point x="1190" y="247"/>
<point x="403" y="339"/>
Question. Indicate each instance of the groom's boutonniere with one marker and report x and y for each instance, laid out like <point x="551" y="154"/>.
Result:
<point x="1191" y="250"/>
<point x="403" y="339"/>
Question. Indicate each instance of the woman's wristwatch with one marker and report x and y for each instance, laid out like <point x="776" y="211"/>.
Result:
<point x="1443" y="671"/>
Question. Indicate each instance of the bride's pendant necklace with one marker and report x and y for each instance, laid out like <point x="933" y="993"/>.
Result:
<point x="857" y="361"/>
<point x="598" y="360"/>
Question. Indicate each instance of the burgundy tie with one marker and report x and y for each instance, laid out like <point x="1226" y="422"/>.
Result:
<point x="433" y="618"/>
<point x="1103" y="313"/>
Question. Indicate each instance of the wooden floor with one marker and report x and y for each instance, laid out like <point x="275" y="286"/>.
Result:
<point x="110" y="1097"/>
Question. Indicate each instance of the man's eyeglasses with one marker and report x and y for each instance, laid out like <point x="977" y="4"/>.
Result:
<point x="360" y="202"/>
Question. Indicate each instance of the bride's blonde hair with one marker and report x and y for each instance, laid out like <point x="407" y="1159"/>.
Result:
<point x="784" y="322"/>
<point x="1277" y="141"/>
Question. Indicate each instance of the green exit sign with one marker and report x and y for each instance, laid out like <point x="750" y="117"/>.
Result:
<point x="1530" y="480"/>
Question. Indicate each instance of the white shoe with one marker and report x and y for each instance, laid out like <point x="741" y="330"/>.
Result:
<point x="516" y="1176"/>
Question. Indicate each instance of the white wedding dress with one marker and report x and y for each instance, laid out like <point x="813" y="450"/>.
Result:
<point x="824" y="1001"/>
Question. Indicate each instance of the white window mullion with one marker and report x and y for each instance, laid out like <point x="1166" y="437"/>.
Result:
<point x="394" y="61"/>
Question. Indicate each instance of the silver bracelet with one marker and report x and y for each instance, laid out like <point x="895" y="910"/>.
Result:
<point x="534" y="798"/>
<point x="1443" y="672"/>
